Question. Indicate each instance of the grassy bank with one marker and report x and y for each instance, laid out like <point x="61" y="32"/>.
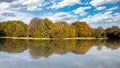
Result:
<point x="81" y="38"/>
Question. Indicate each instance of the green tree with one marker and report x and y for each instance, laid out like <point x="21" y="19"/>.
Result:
<point x="2" y="33"/>
<point x="33" y="25"/>
<point x="14" y="28"/>
<point x="43" y="29"/>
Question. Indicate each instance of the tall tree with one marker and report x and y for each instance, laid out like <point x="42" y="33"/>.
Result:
<point x="83" y="29"/>
<point x="43" y="29"/>
<point x="62" y="30"/>
<point x="99" y="32"/>
<point x="14" y="28"/>
<point x="33" y="25"/>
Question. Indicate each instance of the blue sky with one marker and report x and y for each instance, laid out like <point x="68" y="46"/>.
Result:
<point x="105" y="13"/>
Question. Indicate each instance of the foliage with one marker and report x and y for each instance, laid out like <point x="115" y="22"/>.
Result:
<point x="99" y="33"/>
<point x="33" y="25"/>
<point x="113" y="32"/>
<point x="43" y="29"/>
<point x="83" y="29"/>
<point x="62" y="30"/>
<point x="13" y="46"/>
<point x="14" y="28"/>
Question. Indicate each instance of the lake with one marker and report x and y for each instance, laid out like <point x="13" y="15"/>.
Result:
<point x="59" y="53"/>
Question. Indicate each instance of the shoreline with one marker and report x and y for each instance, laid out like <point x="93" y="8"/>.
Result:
<point x="30" y="38"/>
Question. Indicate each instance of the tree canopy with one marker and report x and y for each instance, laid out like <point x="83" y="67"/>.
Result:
<point x="45" y="28"/>
<point x="14" y="28"/>
<point x="83" y="29"/>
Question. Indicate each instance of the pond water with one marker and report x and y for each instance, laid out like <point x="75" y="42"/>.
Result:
<point x="59" y="53"/>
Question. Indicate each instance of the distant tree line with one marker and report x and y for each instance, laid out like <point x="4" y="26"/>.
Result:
<point x="44" y="28"/>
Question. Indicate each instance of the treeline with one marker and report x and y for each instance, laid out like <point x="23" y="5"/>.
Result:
<point x="44" y="28"/>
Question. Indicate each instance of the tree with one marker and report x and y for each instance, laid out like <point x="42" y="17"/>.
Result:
<point x="33" y="25"/>
<point x="99" y="32"/>
<point x="113" y="32"/>
<point x="14" y="28"/>
<point x="83" y="29"/>
<point x="2" y="33"/>
<point x="62" y="30"/>
<point x="43" y="29"/>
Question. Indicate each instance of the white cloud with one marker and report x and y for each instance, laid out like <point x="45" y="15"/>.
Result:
<point x="15" y="15"/>
<point x="62" y="16"/>
<point x="64" y="3"/>
<point x="81" y="11"/>
<point x="10" y="10"/>
<point x="4" y="5"/>
<point x="32" y="5"/>
<point x="113" y="8"/>
<point x="30" y="2"/>
<point x="100" y="8"/>
<point x="27" y="4"/>
<point x="101" y="2"/>
<point x="106" y="19"/>
<point x="33" y="8"/>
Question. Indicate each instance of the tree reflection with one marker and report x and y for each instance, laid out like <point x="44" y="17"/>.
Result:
<point x="39" y="48"/>
<point x="45" y="48"/>
<point x="13" y="46"/>
<point x="113" y="44"/>
<point x="99" y="43"/>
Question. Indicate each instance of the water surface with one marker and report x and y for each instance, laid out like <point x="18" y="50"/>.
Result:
<point x="59" y="53"/>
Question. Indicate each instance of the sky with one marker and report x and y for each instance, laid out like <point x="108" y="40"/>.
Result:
<point x="104" y="13"/>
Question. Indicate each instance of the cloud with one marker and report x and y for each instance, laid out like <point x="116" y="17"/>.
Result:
<point x="100" y="8"/>
<point x="15" y="15"/>
<point x="62" y="16"/>
<point x="64" y="3"/>
<point x="7" y="0"/>
<point x="10" y="10"/>
<point x="32" y="8"/>
<point x="4" y="5"/>
<point x="106" y="19"/>
<point x="113" y="8"/>
<point x="8" y="14"/>
<point x="31" y="2"/>
<point x="101" y="2"/>
<point x="81" y="11"/>
<point x="30" y="5"/>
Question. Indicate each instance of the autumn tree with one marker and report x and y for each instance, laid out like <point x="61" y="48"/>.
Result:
<point x="99" y="33"/>
<point x="83" y="29"/>
<point x="43" y="29"/>
<point x="33" y="25"/>
<point x="62" y="30"/>
<point x="14" y="28"/>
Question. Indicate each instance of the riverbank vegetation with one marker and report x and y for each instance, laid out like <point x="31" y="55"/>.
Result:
<point x="44" y="28"/>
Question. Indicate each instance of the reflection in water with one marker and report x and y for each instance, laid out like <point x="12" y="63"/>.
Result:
<point x="13" y="46"/>
<point x="59" y="53"/>
<point x="113" y="44"/>
<point x="45" y="48"/>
